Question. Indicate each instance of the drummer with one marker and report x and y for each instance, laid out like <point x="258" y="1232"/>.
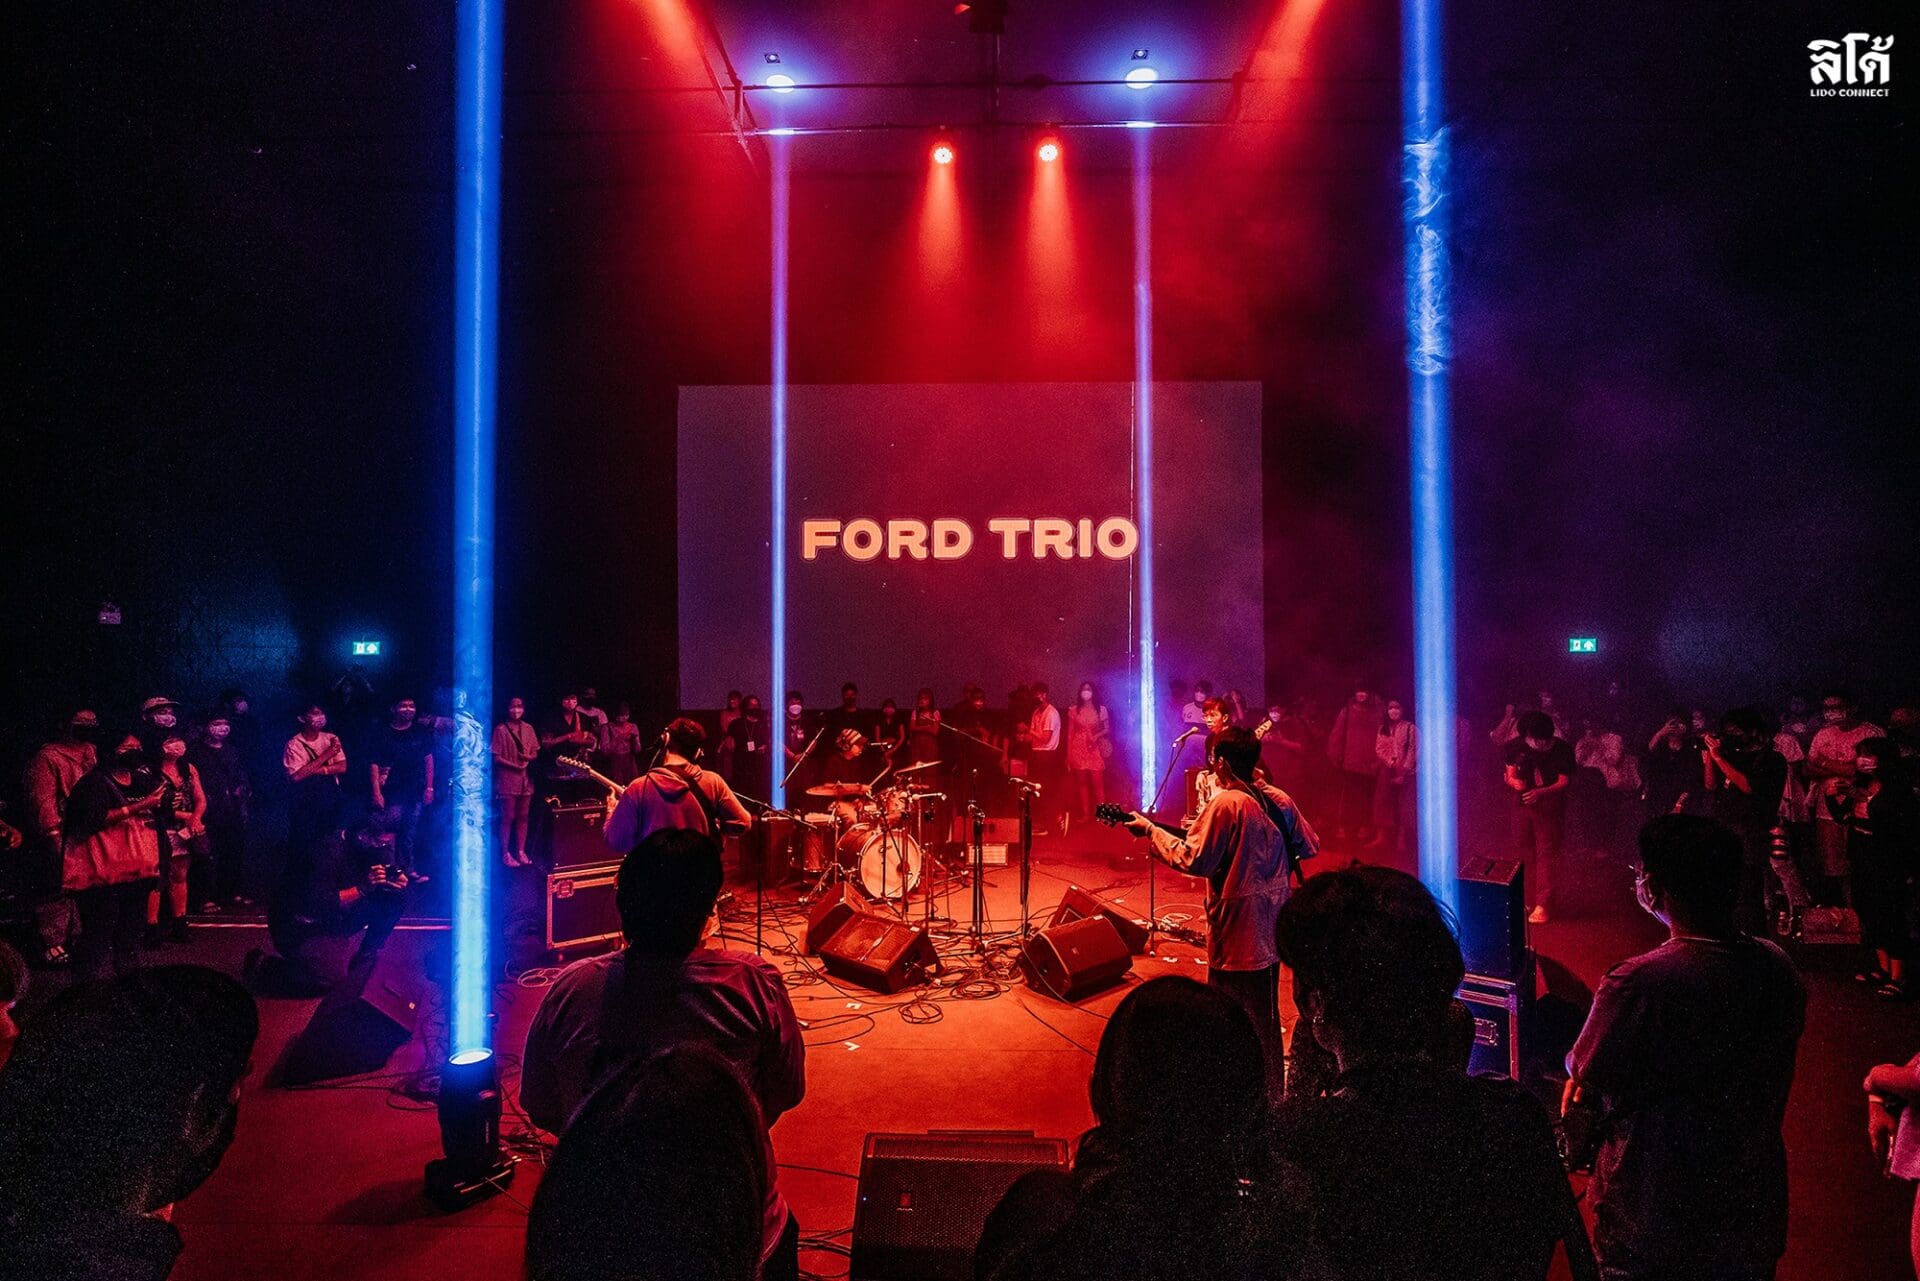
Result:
<point x="852" y="763"/>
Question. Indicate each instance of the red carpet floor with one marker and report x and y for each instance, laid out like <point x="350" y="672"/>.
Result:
<point x="325" y="1182"/>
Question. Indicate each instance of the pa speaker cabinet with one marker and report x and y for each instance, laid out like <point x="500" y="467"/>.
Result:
<point x="1493" y="917"/>
<point x="1069" y="961"/>
<point x="923" y="1199"/>
<point x="582" y="906"/>
<point x="356" y="1027"/>
<point x="879" y="952"/>
<point x="830" y="914"/>
<point x="577" y="837"/>
<point x="1081" y="904"/>
<point x="1501" y="1008"/>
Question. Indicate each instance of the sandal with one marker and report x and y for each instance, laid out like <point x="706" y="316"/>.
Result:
<point x="56" y="958"/>
<point x="1872" y="976"/>
<point x="1891" y="991"/>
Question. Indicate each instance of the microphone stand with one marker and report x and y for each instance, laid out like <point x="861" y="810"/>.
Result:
<point x="1028" y="790"/>
<point x="1153" y="860"/>
<point x="760" y="875"/>
<point x="802" y="760"/>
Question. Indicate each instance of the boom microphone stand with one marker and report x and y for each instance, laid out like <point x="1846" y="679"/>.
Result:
<point x="1153" y="861"/>
<point x="1028" y="789"/>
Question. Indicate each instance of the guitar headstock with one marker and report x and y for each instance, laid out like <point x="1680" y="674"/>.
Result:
<point x="1264" y="728"/>
<point x="1112" y="815"/>
<point x="575" y="762"/>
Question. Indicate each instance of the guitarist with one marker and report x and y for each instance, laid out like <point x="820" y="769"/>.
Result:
<point x="1245" y="843"/>
<point x="675" y="793"/>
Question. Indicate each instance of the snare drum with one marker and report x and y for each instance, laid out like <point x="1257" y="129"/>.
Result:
<point x="885" y="862"/>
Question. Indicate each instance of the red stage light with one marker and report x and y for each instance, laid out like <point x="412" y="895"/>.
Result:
<point x="942" y="153"/>
<point x="1049" y="151"/>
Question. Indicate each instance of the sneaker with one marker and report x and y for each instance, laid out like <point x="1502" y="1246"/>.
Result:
<point x="1538" y="916"/>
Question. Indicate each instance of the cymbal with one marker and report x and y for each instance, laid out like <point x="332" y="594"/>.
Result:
<point x="915" y="769"/>
<point x="838" y="791"/>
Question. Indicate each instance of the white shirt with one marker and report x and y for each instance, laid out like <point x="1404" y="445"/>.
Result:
<point x="1046" y="728"/>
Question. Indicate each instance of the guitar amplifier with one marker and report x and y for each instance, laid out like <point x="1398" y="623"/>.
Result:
<point x="582" y="910"/>
<point x="576" y="837"/>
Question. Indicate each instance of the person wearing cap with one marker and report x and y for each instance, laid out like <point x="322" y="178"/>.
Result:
<point x="159" y="718"/>
<point x="35" y="870"/>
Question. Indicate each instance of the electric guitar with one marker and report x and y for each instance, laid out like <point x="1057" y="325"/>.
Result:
<point x="1116" y="815"/>
<point x="614" y="790"/>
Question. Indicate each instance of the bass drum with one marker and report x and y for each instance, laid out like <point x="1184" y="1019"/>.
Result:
<point x="885" y="863"/>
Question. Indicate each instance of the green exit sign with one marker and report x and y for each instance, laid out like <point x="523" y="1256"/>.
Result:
<point x="366" y="649"/>
<point x="1583" y="644"/>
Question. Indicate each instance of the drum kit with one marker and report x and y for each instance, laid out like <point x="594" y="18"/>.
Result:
<point x="866" y="836"/>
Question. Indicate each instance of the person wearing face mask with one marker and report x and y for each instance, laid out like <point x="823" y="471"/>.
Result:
<point x="570" y="732"/>
<point x="620" y="745"/>
<point x="749" y="740"/>
<point x="229" y="798"/>
<point x="1830" y="766"/>
<point x="889" y="731"/>
<point x="1350" y="748"/>
<point x="400" y="773"/>
<point x="120" y="1101"/>
<point x="110" y="852"/>
<point x="796" y="737"/>
<point x="1539" y="769"/>
<point x="159" y="717"/>
<point x="1089" y="747"/>
<point x="49" y="779"/>
<point x="1686" y="1061"/>
<point x="1397" y="748"/>
<point x="923" y="729"/>
<point x="313" y="761"/>
<point x="515" y="748"/>
<point x="1878" y="810"/>
<point x="181" y="822"/>
<point x="1745" y="778"/>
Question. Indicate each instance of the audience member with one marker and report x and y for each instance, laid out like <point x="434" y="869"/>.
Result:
<point x="229" y="798"/>
<point x="1673" y="774"/>
<point x="515" y="747"/>
<point x="111" y="855"/>
<point x="663" y="1175"/>
<point x="181" y="825"/>
<point x="1173" y="1181"/>
<point x="1415" y="1170"/>
<point x="752" y="744"/>
<point x="313" y="760"/>
<point x="335" y="889"/>
<point x="400" y="778"/>
<point x="661" y="990"/>
<point x="569" y="732"/>
<point x="1878" y="809"/>
<point x="1830" y="766"/>
<point x="1350" y="746"/>
<point x="1539" y="768"/>
<point x="120" y="1100"/>
<point x="1089" y="748"/>
<point x="1689" y="1051"/>
<point x="1745" y="779"/>
<point x="1612" y="778"/>
<point x="620" y="746"/>
<point x="1893" y="1131"/>
<point x="49" y="780"/>
<point x="13" y="986"/>
<point x="1397" y="752"/>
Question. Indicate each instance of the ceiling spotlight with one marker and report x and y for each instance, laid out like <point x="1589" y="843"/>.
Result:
<point x="1139" y="55"/>
<point x="942" y="153"/>
<point x="774" y="57"/>
<point x="1141" y="77"/>
<point x="1049" y="151"/>
<point x="780" y="82"/>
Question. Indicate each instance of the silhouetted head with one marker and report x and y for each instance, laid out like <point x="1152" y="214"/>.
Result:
<point x="666" y="890"/>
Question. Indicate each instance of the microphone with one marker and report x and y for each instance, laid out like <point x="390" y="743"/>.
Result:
<point x="1191" y="731"/>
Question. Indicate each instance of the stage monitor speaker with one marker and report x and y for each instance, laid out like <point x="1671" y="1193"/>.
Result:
<point x="825" y="918"/>
<point x="923" y="1199"/>
<point x="1069" y="961"/>
<point x="1493" y="917"/>
<point x="356" y="1027"/>
<point x="576" y="838"/>
<point x="879" y="952"/>
<point x="1081" y="904"/>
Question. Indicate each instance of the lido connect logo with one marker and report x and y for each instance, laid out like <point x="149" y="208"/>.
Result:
<point x="1114" y="538"/>
<point x="1841" y="69"/>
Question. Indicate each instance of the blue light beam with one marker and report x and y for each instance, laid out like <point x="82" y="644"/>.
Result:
<point x="1424" y="178"/>
<point x="1143" y="449"/>
<point x="780" y="176"/>
<point x="476" y="272"/>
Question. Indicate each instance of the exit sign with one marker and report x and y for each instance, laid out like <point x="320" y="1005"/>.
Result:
<point x="1583" y="644"/>
<point x="366" y="649"/>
